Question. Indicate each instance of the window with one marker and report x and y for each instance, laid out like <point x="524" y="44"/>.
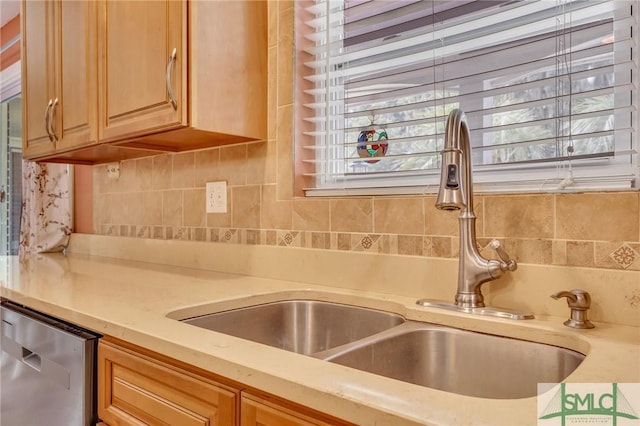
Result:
<point x="549" y="89"/>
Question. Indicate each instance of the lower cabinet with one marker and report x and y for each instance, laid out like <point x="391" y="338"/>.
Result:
<point x="137" y="387"/>
<point x="258" y="412"/>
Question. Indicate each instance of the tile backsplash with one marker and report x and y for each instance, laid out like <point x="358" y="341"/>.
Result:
<point x="163" y="197"/>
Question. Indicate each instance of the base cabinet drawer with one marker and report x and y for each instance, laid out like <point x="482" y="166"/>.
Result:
<point x="137" y="390"/>
<point x="256" y="411"/>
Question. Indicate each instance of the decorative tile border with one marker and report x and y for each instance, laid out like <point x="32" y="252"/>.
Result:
<point x="624" y="256"/>
<point x="598" y="254"/>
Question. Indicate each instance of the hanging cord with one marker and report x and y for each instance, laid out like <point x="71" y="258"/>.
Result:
<point x="563" y="66"/>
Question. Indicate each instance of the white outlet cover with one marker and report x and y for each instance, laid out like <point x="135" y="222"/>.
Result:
<point x="113" y="170"/>
<point x="216" y="197"/>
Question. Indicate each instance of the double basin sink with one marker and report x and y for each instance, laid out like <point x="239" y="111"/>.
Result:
<point x="385" y="343"/>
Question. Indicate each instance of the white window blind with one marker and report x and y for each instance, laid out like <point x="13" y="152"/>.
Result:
<point x="549" y="88"/>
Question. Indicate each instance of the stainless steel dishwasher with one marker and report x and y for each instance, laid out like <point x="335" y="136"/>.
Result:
<point x="47" y="370"/>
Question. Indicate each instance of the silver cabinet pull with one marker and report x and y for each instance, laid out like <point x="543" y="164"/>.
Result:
<point x="47" y="119"/>
<point x="51" y="114"/>
<point x="172" y="60"/>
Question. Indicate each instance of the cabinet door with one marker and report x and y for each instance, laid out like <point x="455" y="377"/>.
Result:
<point x="59" y="76"/>
<point x="38" y="78"/>
<point x="138" y="78"/>
<point x="75" y="116"/>
<point x="258" y="412"/>
<point x="136" y="390"/>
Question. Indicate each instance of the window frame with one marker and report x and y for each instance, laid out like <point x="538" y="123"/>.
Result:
<point x="533" y="177"/>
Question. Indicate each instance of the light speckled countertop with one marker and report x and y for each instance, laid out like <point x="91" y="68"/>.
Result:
<point x="130" y="300"/>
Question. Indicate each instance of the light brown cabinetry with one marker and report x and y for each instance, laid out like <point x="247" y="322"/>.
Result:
<point x="138" y="387"/>
<point x="142" y="66"/>
<point x="259" y="412"/>
<point x="134" y="389"/>
<point x="59" y="83"/>
<point x="149" y="77"/>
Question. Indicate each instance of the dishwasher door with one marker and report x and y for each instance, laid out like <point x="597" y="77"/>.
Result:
<point x="47" y="371"/>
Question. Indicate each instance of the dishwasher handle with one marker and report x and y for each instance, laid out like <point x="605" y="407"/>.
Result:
<point x="31" y="359"/>
<point x="43" y="366"/>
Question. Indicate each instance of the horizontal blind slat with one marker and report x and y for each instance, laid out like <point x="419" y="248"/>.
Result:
<point x="406" y="84"/>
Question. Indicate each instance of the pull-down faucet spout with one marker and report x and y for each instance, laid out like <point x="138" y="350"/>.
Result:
<point x="456" y="193"/>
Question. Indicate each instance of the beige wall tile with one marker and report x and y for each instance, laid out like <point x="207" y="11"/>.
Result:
<point x="311" y="214"/>
<point x="398" y="215"/>
<point x="559" y="252"/>
<point x="580" y="253"/>
<point x="603" y="216"/>
<point x="233" y="164"/>
<point x="127" y="181"/>
<point x="256" y="163"/>
<point x="455" y="246"/>
<point x="133" y="208"/>
<point x="411" y="245"/>
<point x="344" y="241"/>
<point x="194" y="207"/>
<point x="320" y="240"/>
<point x="285" y="55"/>
<point x="275" y="214"/>
<point x="103" y="210"/>
<point x="207" y="166"/>
<point x="152" y="207"/>
<point x="427" y="246"/>
<point x="172" y="208"/>
<point x="352" y="215"/>
<point x="518" y="216"/>
<point x="603" y="251"/>
<point x="529" y="251"/>
<point x="144" y="167"/>
<point x="161" y="172"/>
<point x="184" y="170"/>
<point x="99" y="179"/>
<point x="284" y="174"/>
<point x="271" y="162"/>
<point x="388" y="244"/>
<point x="441" y="247"/>
<point x="439" y="222"/>
<point x="245" y="210"/>
<point x="220" y="220"/>
<point x="118" y="212"/>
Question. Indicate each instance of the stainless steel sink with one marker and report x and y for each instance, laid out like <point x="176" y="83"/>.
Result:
<point x="302" y="326"/>
<point x="461" y="362"/>
<point x="384" y="343"/>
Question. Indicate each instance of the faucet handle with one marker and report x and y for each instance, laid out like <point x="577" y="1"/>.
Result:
<point x="508" y="264"/>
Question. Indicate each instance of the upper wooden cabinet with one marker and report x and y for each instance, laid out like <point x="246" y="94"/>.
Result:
<point x="148" y="76"/>
<point x="59" y="76"/>
<point x="142" y="67"/>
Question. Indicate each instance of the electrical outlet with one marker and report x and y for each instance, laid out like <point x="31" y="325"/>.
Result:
<point x="113" y="170"/>
<point x="216" y="197"/>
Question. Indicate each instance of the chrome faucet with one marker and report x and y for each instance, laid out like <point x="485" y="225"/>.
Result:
<point x="456" y="193"/>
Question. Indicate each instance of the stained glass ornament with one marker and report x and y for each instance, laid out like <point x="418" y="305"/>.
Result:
<point x="372" y="143"/>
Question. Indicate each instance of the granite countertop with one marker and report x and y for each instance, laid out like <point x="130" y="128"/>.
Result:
<point x="130" y="300"/>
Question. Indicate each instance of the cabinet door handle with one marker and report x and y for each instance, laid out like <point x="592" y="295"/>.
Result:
<point x="47" y="119"/>
<point x="51" y="115"/>
<point x="172" y="60"/>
